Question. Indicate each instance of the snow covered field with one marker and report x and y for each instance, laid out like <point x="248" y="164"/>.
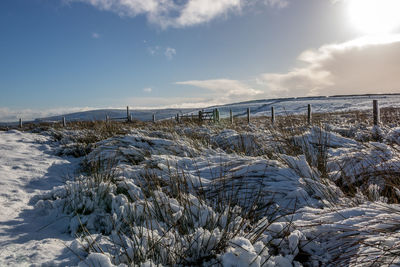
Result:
<point x="166" y="194"/>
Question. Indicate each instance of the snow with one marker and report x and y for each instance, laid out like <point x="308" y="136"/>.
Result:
<point x="240" y="253"/>
<point x="182" y="196"/>
<point x="27" y="167"/>
<point x="97" y="260"/>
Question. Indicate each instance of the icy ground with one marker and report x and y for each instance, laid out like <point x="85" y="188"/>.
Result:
<point x="27" y="168"/>
<point x="201" y="195"/>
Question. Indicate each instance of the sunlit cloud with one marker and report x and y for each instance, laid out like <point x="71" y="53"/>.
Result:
<point x="364" y="65"/>
<point x="225" y="90"/>
<point x="147" y="89"/>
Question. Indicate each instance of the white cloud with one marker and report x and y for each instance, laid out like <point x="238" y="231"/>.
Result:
<point x="170" y="13"/>
<point x="172" y="102"/>
<point x="277" y="3"/>
<point x="147" y="89"/>
<point x="225" y="90"/>
<point x="95" y="35"/>
<point x="153" y="50"/>
<point x="365" y="65"/>
<point x="200" y="11"/>
<point x="170" y="52"/>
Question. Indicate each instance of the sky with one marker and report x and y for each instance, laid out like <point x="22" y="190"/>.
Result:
<point x="59" y="56"/>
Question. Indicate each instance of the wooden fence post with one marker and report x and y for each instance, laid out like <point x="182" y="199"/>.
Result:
<point x="217" y="114"/>
<point x="20" y="122"/>
<point x="128" y="117"/>
<point x="248" y="115"/>
<point x="376" y="112"/>
<point x="231" y="116"/>
<point x="154" y="117"/>
<point x="107" y="118"/>
<point x="214" y="115"/>
<point x="272" y="116"/>
<point x="200" y="115"/>
<point x="64" y="123"/>
<point x="309" y="115"/>
<point x="177" y="117"/>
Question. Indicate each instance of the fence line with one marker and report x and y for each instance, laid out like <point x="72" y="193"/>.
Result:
<point x="214" y="116"/>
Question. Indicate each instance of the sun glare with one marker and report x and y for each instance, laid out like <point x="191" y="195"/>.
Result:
<point x="375" y="16"/>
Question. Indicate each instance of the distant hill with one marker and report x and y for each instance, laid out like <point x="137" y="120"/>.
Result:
<point x="100" y="114"/>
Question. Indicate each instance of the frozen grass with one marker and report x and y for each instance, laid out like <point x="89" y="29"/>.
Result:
<point x="235" y="195"/>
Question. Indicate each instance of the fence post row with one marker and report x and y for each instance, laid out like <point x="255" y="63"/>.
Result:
<point x="376" y="112"/>
<point x="216" y="118"/>
<point x="309" y="115"/>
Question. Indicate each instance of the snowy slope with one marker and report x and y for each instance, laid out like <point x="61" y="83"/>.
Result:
<point x="319" y="104"/>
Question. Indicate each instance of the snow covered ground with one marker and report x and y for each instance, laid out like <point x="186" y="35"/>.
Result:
<point x="27" y="168"/>
<point x="244" y="195"/>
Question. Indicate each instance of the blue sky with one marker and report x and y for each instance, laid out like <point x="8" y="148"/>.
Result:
<point x="68" y="55"/>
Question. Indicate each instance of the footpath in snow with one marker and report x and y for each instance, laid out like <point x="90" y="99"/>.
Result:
<point x="27" y="168"/>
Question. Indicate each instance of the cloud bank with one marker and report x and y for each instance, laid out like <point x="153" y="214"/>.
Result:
<point x="177" y="14"/>
<point x="225" y="90"/>
<point x="365" y="65"/>
<point x="13" y="115"/>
